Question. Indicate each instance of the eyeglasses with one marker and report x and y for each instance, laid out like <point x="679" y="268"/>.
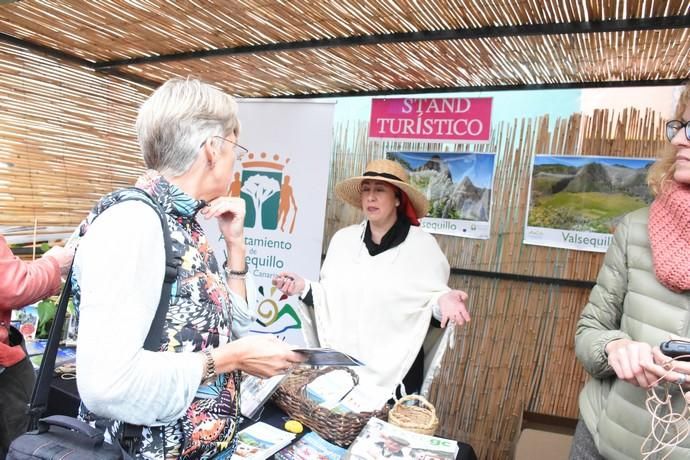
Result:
<point x="673" y="126"/>
<point x="237" y="148"/>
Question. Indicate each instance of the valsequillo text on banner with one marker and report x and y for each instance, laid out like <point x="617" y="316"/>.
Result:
<point x="284" y="181"/>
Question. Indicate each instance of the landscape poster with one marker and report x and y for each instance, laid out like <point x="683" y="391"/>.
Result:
<point x="458" y="187"/>
<point x="576" y="202"/>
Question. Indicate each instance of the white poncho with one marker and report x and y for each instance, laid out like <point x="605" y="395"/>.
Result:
<point x="378" y="308"/>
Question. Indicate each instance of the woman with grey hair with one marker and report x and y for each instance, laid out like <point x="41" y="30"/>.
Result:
<point x="183" y="399"/>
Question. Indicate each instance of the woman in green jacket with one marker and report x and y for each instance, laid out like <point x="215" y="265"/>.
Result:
<point x="641" y="298"/>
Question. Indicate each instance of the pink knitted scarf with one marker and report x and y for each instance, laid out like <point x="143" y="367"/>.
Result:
<point x="669" y="236"/>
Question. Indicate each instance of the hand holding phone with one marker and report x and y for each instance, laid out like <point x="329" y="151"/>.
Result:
<point x="676" y="349"/>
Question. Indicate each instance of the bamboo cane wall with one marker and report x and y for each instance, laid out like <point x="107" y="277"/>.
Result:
<point x="517" y="354"/>
<point x="66" y="138"/>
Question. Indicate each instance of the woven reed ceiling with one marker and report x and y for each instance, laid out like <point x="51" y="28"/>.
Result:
<point x="264" y="48"/>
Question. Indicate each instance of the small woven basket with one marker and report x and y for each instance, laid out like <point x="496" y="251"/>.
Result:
<point x="340" y="429"/>
<point x="420" y="416"/>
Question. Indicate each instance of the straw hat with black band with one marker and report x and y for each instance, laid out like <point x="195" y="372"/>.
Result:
<point x="388" y="171"/>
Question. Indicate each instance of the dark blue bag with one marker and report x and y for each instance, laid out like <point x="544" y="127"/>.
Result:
<point x="59" y="437"/>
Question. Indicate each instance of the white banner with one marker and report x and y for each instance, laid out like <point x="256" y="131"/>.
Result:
<point x="284" y="181"/>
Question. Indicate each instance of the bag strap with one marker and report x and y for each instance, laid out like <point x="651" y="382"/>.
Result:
<point x="39" y="397"/>
<point x="172" y="263"/>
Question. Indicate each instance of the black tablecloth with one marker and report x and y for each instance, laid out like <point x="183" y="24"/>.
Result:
<point x="64" y="399"/>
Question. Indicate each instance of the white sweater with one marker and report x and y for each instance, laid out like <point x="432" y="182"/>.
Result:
<point x="119" y="266"/>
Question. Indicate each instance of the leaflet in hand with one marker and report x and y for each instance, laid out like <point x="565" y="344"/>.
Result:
<point x="327" y="357"/>
<point x="259" y="441"/>
<point x="379" y="439"/>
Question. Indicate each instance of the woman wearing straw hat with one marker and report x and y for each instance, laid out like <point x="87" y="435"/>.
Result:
<point x="382" y="280"/>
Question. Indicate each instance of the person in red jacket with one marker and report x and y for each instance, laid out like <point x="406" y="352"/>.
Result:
<point x="22" y="283"/>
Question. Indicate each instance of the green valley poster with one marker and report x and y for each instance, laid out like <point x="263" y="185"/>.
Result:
<point x="576" y="202"/>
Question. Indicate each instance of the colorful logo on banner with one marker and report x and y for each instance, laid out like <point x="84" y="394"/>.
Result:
<point x="271" y="205"/>
<point x="275" y="184"/>
<point x="267" y="192"/>
<point x="434" y="119"/>
<point x="275" y="315"/>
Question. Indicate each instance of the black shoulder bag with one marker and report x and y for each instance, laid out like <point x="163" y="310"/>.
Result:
<point x="58" y="436"/>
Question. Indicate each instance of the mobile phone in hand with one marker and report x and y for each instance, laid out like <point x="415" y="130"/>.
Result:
<point x="677" y="349"/>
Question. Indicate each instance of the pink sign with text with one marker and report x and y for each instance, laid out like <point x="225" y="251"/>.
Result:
<point x="436" y="119"/>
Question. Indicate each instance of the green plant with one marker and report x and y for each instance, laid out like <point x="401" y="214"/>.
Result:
<point x="46" y="315"/>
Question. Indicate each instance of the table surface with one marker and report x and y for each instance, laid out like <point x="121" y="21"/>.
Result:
<point x="64" y="400"/>
<point x="274" y="416"/>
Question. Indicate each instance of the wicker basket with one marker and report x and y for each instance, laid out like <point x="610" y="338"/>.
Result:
<point x="340" y="429"/>
<point x="419" y="417"/>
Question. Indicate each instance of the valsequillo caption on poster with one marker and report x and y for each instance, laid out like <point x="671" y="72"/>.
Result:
<point x="458" y="187"/>
<point x="576" y="202"/>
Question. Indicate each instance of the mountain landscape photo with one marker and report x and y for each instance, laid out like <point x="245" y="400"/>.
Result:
<point x="447" y="199"/>
<point x="592" y="196"/>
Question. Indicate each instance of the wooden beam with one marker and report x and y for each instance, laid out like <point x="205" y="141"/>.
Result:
<point x="470" y="89"/>
<point x="579" y="27"/>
